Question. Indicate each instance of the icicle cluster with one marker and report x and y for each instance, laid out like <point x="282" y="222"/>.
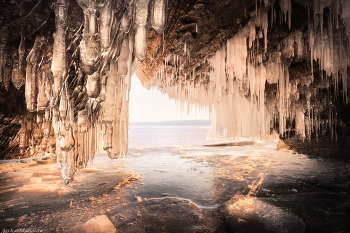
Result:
<point x="73" y="112"/>
<point x="233" y="88"/>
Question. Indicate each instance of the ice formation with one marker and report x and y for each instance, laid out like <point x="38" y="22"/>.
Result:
<point x="78" y="101"/>
<point x="233" y="88"/>
<point x="59" y="67"/>
<point x="77" y="90"/>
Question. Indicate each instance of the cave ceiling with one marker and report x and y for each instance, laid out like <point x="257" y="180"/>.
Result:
<point x="260" y="67"/>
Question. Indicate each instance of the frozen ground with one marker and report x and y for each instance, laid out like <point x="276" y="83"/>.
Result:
<point x="180" y="186"/>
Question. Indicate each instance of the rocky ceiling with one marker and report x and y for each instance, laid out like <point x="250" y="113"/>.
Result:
<point x="259" y="67"/>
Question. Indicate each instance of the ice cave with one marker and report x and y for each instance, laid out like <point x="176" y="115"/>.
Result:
<point x="273" y="76"/>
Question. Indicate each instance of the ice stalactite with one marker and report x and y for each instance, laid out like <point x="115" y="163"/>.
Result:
<point x="33" y="60"/>
<point x="92" y="109"/>
<point x="3" y="41"/>
<point x="233" y="88"/>
<point x="93" y="85"/>
<point x="7" y="70"/>
<point x="286" y="7"/>
<point x="90" y="52"/>
<point x="44" y="90"/>
<point x="58" y="67"/>
<point x="18" y="77"/>
<point x="108" y="104"/>
<point x="141" y="21"/>
<point x="251" y="85"/>
<point x="18" y="69"/>
<point x="238" y="112"/>
<point x="116" y="122"/>
<point x="22" y="135"/>
<point x="159" y="16"/>
<point x="106" y="19"/>
<point x="126" y="20"/>
<point x="114" y="151"/>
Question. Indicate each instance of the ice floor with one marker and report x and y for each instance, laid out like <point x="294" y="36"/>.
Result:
<point x="252" y="188"/>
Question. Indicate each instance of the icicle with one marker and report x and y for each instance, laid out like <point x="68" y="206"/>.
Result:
<point x="23" y="135"/>
<point x="345" y="84"/>
<point x="102" y="95"/>
<point x="67" y="170"/>
<point x="63" y="107"/>
<point x="345" y="15"/>
<point x="3" y="41"/>
<point x="141" y="37"/>
<point x="106" y="19"/>
<point x="44" y="91"/>
<point x="159" y="16"/>
<point x="127" y="18"/>
<point x="252" y="34"/>
<point x="58" y="66"/>
<point x="311" y="43"/>
<point x="123" y="59"/>
<point x="308" y="125"/>
<point x="114" y="151"/>
<point x="7" y="71"/>
<point x="89" y="53"/>
<point x="33" y="60"/>
<point x="286" y="7"/>
<point x="141" y="27"/>
<point x="18" y="72"/>
<point x="82" y="121"/>
<point x="93" y="85"/>
<point x="108" y="104"/>
<point x="265" y="25"/>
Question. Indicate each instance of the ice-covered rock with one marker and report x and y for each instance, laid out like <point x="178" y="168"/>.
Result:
<point x="274" y="218"/>
<point x="99" y="223"/>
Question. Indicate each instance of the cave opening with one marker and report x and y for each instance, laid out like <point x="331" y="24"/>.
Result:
<point x="76" y="155"/>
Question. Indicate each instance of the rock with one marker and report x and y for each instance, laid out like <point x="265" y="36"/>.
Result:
<point x="99" y="223"/>
<point x="282" y="145"/>
<point x="274" y="219"/>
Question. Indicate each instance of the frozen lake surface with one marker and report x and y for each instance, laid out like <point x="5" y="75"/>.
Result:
<point x="183" y="186"/>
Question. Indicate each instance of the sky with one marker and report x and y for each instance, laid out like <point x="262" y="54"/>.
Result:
<point x="152" y="106"/>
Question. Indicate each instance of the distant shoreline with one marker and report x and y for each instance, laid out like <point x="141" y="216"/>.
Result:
<point x="184" y="122"/>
